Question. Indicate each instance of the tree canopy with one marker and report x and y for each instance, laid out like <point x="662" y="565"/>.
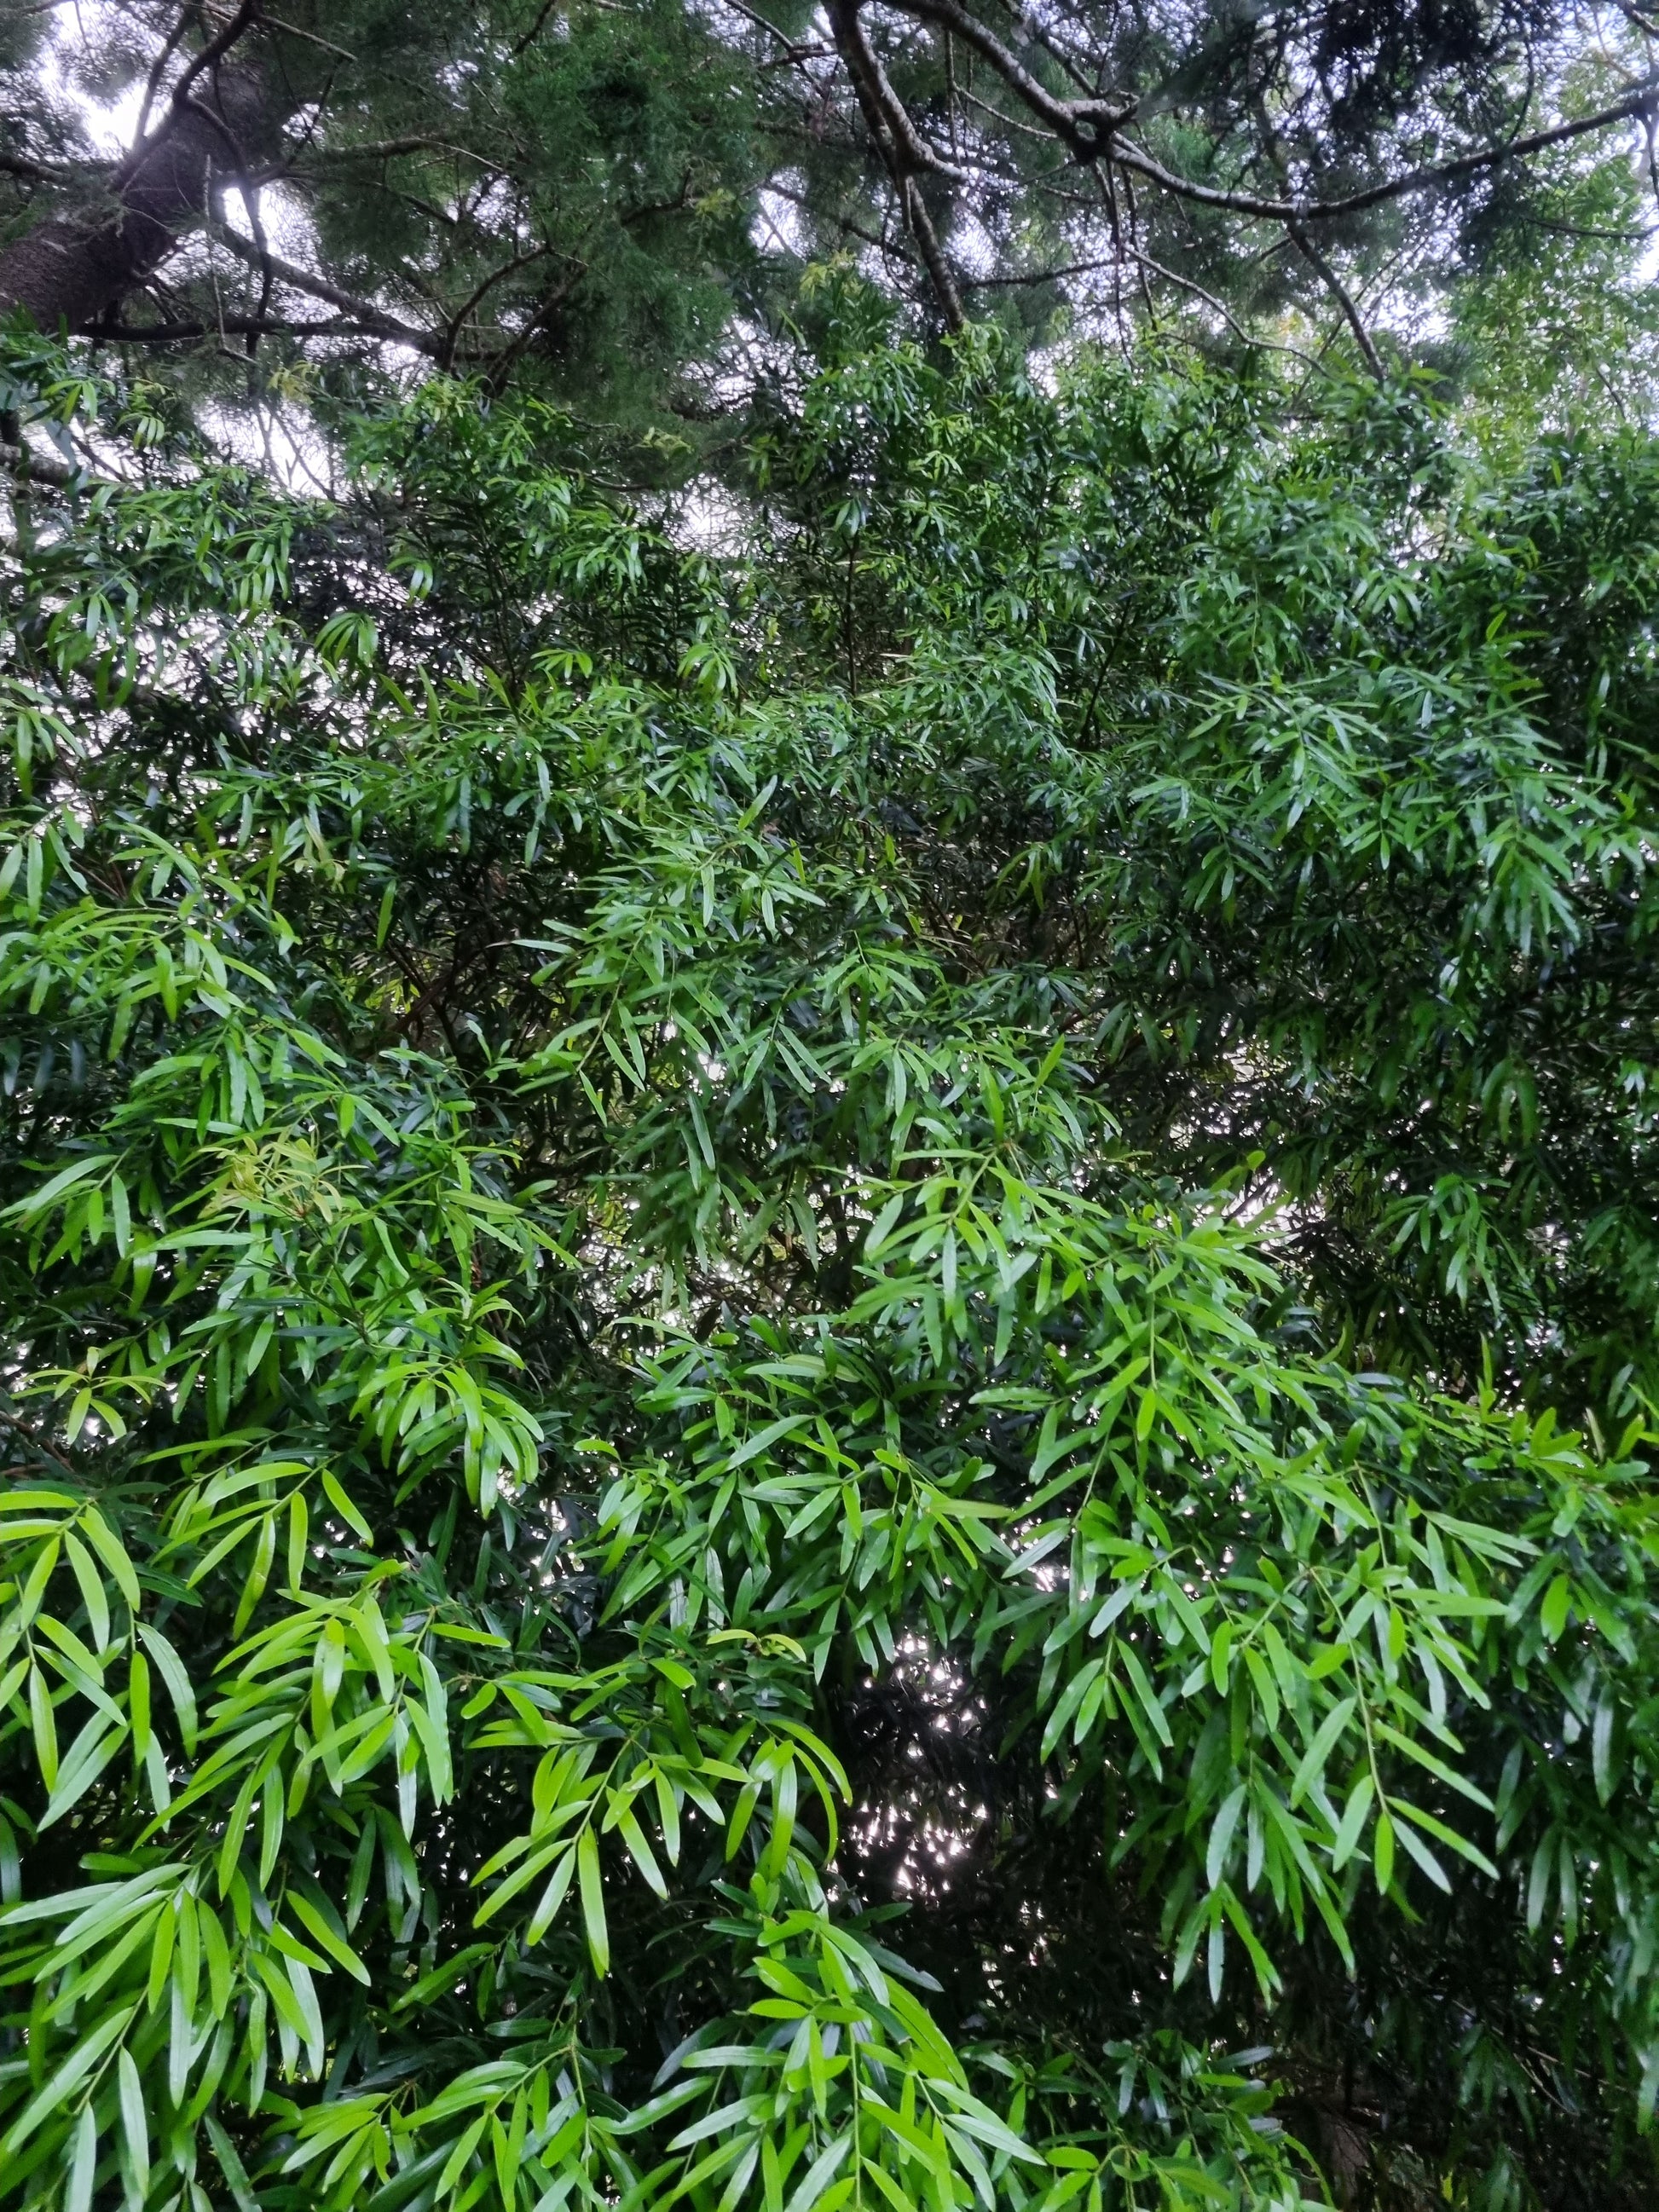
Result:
<point x="826" y="1188"/>
<point x="619" y="199"/>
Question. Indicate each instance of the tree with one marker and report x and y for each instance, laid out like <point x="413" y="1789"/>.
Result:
<point x="464" y="186"/>
<point x="618" y="200"/>
<point x="831" y="1363"/>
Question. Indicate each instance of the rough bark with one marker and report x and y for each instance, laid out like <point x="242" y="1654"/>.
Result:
<point x="72" y="268"/>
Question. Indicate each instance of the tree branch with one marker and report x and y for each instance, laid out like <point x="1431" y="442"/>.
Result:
<point x="38" y="468"/>
<point x="901" y="147"/>
<point x="376" y="320"/>
<point x="1643" y="102"/>
<point x="1085" y="124"/>
<point x="377" y="149"/>
<point x="70" y="268"/>
<point x="843" y="222"/>
<point x="252" y="326"/>
<point x="180" y="102"/>
<point x="181" y="23"/>
<point x="458" y="320"/>
<point x="1340" y="292"/>
<point x="921" y="227"/>
<point x="1220" y="306"/>
<point x="792" y="52"/>
<point x="871" y="82"/>
<point x="44" y="173"/>
<point x="1089" y="128"/>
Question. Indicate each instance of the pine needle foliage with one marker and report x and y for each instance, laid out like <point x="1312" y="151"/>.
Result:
<point x="829" y="1350"/>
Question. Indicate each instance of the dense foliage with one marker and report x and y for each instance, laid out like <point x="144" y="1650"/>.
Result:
<point x="831" y="1326"/>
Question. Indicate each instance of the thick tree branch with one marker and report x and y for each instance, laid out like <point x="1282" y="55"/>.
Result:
<point x="36" y="468"/>
<point x="181" y="103"/>
<point x="232" y="326"/>
<point x="1083" y="125"/>
<point x="901" y="147"/>
<point x="927" y="238"/>
<point x="45" y="173"/>
<point x="871" y="82"/>
<point x="169" y="46"/>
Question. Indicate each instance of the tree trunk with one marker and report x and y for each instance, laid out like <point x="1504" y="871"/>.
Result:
<point x="71" y="269"/>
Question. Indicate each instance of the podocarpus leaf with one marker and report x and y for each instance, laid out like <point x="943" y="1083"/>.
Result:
<point x="926" y="1215"/>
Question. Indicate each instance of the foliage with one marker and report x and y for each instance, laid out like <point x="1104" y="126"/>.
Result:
<point x="830" y="1367"/>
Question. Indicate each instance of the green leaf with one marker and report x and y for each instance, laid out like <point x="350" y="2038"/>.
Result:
<point x="328" y="1938"/>
<point x="592" y="1896"/>
<point x="1382" y="1850"/>
<point x="1558" y="1600"/>
<point x="171" y="1670"/>
<point x="818" y="2176"/>
<point x="1311" y="1767"/>
<point x="83" y="2162"/>
<point x="1353" y="1822"/>
<point x="92" y="1590"/>
<point x="547" y="1908"/>
<point x="72" y="2070"/>
<point x="135" y="2131"/>
<point x="1405" y="1835"/>
<point x="1222" y="1830"/>
<point x="640" y="1851"/>
<point x="444" y="1978"/>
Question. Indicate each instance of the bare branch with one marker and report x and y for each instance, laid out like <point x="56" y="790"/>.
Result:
<point x="1220" y="306"/>
<point x="1642" y="102"/>
<point x="1340" y="292"/>
<point x="375" y="320"/>
<point x="180" y="102"/>
<point x="902" y="148"/>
